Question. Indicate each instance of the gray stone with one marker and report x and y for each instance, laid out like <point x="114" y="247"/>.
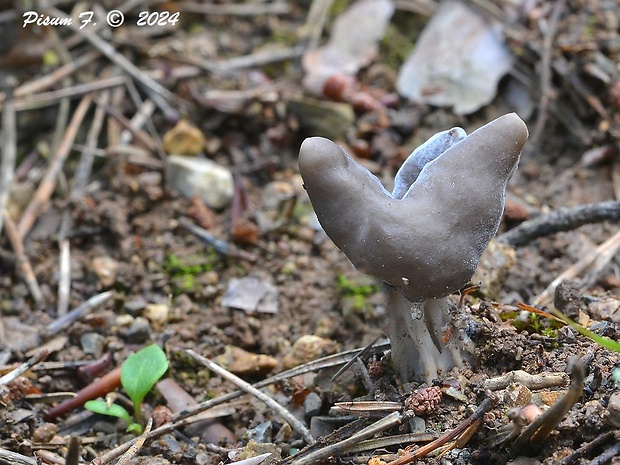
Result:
<point x="139" y="331"/>
<point x="312" y="405"/>
<point x="92" y="344"/>
<point x="191" y="176"/>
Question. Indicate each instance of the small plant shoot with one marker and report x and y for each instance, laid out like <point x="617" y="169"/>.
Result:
<point x="140" y="372"/>
<point x="114" y="410"/>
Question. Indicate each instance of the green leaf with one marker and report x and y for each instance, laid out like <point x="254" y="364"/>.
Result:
<point x="114" y="410"/>
<point x="134" y="428"/>
<point x="600" y="340"/>
<point x="141" y="371"/>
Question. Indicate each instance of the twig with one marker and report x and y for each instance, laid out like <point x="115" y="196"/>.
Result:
<point x="606" y="249"/>
<point x="277" y="408"/>
<point x="242" y="9"/>
<point x="545" y="72"/>
<point x="537" y="431"/>
<point x="24" y="367"/>
<point x="13" y="458"/>
<point x="563" y="219"/>
<point x="220" y="246"/>
<point x="487" y="404"/>
<point x="606" y="456"/>
<point x="8" y="132"/>
<point x="64" y="280"/>
<point x="98" y="388"/>
<point x="47" y="99"/>
<point x="247" y="61"/>
<point x="315" y="21"/>
<point x="82" y="172"/>
<point x="47" y="81"/>
<point x="46" y="188"/>
<point x="158" y="93"/>
<point x="78" y="312"/>
<point x="23" y="264"/>
<point x="347" y="365"/>
<point x="73" y="451"/>
<point x="586" y="448"/>
<point x="133" y="450"/>
<point x="139" y="119"/>
<point x="393" y="419"/>
<point x="138" y="134"/>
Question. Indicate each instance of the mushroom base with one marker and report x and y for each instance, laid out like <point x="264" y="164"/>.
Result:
<point x="425" y="345"/>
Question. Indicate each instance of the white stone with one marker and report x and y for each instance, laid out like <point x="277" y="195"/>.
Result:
<point x="190" y="176"/>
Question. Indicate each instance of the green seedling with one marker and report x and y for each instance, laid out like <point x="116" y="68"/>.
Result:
<point x="559" y="316"/>
<point x="139" y="374"/>
<point x="355" y="292"/>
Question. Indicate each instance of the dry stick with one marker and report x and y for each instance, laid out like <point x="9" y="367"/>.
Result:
<point x="140" y="136"/>
<point x="247" y="61"/>
<point x="9" y="151"/>
<point x="587" y="448"/>
<point x="545" y="72"/>
<point x="24" y="367"/>
<point x="46" y="188"/>
<point x="606" y="456"/>
<point x="317" y="16"/>
<point x="563" y="219"/>
<point x="78" y="312"/>
<point x="47" y="81"/>
<point x="13" y="458"/>
<point x="139" y="119"/>
<point x="487" y="404"/>
<point x="393" y="419"/>
<point x="64" y="280"/>
<point x="23" y="264"/>
<point x="133" y="450"/>
<point x="158" y="93"/>
<point x="607" y="248"/>
<point x="82" y="173"/>
<point x="276" y="8"/>
<point x="537" y="431"/>
<point x="102" y="386"/>
<point x="47" y="99"/>
<point x="277" y="408"/>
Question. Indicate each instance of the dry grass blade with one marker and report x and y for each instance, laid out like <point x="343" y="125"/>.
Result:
<point x="23" y="264"/>
<point x="64" y="279"/>
<point x="13" y="458"/>
<point x="24" y="367"/>
<point x="79" y="311"/>
<point x="46" y="188"/>
<point x="9" y="151"/>
<point x="160" y="95"/>
<point x="277" y="408"/>
<point x="318" y="456"/>
<point x="596" y="259"/>
<point x="133" y="450"/>
<point x="486" y="405"/>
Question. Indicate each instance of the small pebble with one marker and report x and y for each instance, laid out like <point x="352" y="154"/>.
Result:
<point x="139" y="331"/>
<point x="92" y="344"/>
<point x="156" y="313"/>
<point x="613" y="407"/>
<point x="105" y="268"/>
<point x="44" y="433"/>
<point x="312" y="404"/>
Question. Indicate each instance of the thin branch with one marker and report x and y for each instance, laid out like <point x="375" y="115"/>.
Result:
<point x="64" y="280"/>
<point x="78" y="312"/>
<point x="46" y="99"/>
<point x="275" y="406"/>
<point x="393" y="419"/>
<point x="48" y="80"/>
<point x="158" y="93"/>
<point x="563" y="219"/>
<point x="48" y="184"/>
<point x="24" y="367"/>
<point x="545" y="72"/>
<point x="23" y="264"/>
<point x="9" y="150"/>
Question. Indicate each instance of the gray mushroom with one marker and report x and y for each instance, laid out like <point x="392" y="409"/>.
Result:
<point x="424" y="239"/>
